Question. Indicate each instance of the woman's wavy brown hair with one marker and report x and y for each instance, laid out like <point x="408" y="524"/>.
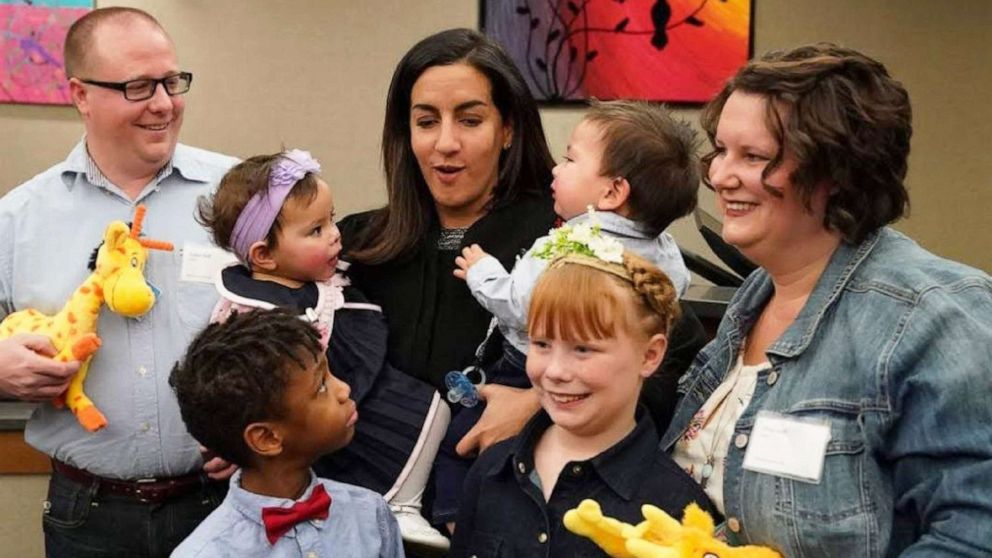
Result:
<point x="844" y="119"/>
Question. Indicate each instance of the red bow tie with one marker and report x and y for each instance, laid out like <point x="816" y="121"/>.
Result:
<point x="279" y="520"/>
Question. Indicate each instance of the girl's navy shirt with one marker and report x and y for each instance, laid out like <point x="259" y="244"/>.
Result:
<point x="504" y="513"/>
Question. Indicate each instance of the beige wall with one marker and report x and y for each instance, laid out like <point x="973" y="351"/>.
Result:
<point x="314" y="74"/>
<point x="21" y="500"/>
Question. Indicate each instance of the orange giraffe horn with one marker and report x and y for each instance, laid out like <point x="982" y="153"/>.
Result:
<point x="156" y="244"/>
<point x="139" y="217"/>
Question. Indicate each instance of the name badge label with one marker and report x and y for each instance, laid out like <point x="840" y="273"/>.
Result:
<point x="201" y="263"/>
<point x="787" y="447"/>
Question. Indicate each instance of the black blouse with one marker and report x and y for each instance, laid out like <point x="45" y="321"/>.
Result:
<point x="435" y="325"/>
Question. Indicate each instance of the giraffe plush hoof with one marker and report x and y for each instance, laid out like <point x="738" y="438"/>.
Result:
<point x="85" y="346"/>
<point x="91" y="418"/>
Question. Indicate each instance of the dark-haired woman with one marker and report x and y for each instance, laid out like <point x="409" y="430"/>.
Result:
<point x="842" y="409"/>
<point x="466" y="161"/>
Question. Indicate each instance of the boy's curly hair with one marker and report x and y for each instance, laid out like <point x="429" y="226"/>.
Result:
<point x="235" y="373"/>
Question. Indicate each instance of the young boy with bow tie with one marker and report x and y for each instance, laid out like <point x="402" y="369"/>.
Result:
<point x="257" y="390"/>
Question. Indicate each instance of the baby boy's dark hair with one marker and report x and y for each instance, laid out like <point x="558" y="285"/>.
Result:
<point x="656" y="153"/>
<point x="235" y="373"/>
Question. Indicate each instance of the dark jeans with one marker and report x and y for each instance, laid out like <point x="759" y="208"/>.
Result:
<point x="81" y="522"/>
<point x="450" y="469"/>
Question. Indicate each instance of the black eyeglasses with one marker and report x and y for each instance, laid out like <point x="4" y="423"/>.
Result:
<point x="141" y="89"/>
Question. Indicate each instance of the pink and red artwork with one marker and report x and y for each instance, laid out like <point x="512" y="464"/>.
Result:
<point x="31" y="38"/>
<point x="678" y="51"/>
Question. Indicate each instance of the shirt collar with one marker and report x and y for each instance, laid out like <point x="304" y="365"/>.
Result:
<point x="250" y="505"/>
<point x="751" y="299"/>
<point x="621" y="467"/>
<point x="613" y="223"/>
<point x="183" y="161"/>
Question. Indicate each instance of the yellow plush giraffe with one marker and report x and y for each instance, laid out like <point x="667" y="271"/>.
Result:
<point x="117" y="280"/>
<point x="658" y="536"/>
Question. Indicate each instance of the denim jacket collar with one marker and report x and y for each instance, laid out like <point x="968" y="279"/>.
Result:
<point x="835" y="277"/>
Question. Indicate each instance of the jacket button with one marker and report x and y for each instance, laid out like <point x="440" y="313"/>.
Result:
<point x="734" y="524"/>
<point x="542" y="538"/>
<point x="772" y="377"/>
<point x="740" y="441"/>
<point x="576" y="470"/>
<point x="521" y="467"/>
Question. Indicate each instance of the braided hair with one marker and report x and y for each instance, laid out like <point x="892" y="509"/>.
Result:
<point x="581" y="297"/>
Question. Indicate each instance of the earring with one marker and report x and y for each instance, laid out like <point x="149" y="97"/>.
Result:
<point x="506" y="146"/>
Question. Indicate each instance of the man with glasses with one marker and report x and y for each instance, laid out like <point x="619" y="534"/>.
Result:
<point x="138" y="486"/>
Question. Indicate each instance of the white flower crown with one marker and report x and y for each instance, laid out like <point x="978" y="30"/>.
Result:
<point x="584" y="238"/>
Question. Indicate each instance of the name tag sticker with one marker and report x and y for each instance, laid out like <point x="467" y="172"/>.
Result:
<point x="787" y="447"/>
<point x="201" y="263"/>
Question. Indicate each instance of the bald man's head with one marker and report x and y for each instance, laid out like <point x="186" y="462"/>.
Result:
<point x="79" y="41"/>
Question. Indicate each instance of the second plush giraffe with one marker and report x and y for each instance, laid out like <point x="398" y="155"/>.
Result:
<point x="118" y="281"/>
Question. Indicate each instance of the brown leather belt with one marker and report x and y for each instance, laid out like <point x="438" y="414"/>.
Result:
<point x="149" y="491"/>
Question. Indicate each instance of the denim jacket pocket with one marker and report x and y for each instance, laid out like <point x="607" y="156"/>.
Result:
<point x="839" y="512"/>
<point x="68" y="504"/>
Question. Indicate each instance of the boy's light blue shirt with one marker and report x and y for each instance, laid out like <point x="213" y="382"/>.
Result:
<point x="506" y="295"/>
<point x="359" y="525"/>
<point x="49" y="226"/>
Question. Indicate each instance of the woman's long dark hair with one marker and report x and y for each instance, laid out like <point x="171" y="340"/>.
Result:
<point x="524" y="168"/>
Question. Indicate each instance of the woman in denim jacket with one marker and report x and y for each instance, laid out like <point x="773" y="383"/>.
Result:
<point x="843" y="407"/>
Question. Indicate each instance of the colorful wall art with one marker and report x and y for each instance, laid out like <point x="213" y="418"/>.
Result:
<point x="679" y="51"/>
<point x="31" y="37"/>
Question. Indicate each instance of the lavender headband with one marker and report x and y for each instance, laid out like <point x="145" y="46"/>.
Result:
<point x="260" y="212"/>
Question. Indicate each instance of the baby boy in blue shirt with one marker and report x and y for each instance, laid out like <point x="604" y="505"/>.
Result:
<point x="257" y="390"/>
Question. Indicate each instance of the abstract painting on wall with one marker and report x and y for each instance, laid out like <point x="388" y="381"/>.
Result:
<point x="679" y="51"/>
<point x="32" y="33"/>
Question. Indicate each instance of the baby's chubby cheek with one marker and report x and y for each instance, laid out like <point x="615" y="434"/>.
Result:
<point x="316" y="261"/>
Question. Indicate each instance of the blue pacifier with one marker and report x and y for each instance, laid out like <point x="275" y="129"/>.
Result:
<point x="461" y="388"/>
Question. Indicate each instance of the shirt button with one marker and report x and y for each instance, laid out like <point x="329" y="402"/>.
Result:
<point x="311" y="554"/>
<point x="740" y="441"/>
<point x="142" y="371"/>
<point x="734" y="524"/>
<point x="772" y="377"/>
<point x="145" y="427"/>
<point x="521" y="467"/>
<point x="542" y="538"/>
<point x="576" y="470"/>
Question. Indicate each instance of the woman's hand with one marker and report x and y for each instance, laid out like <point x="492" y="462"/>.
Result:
<point x="507" y="411"/>
<point x="470" y="256"/>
